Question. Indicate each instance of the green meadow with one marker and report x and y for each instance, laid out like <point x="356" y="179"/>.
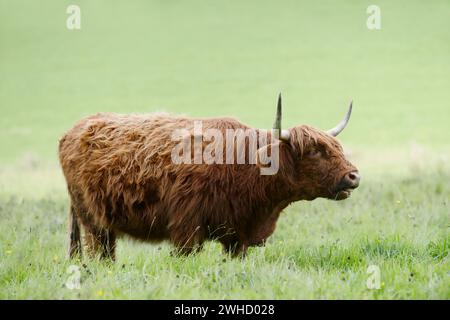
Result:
<point x="232" y="58"/>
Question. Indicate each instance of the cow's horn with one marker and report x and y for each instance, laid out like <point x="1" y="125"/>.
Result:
<point x="283" y="134"/>
<point x="338" y="129"/>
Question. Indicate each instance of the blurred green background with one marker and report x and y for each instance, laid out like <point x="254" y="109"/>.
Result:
<point x="227" y="58"/>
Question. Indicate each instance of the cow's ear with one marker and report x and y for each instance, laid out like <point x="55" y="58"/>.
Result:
<point x="265" y="155"/>
<point x="262" y="160"/>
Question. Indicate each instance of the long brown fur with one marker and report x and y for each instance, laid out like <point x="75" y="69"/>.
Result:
<point x="121" y="180"/>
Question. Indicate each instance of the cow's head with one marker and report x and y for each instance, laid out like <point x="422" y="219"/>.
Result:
<point x="321" y="169"/>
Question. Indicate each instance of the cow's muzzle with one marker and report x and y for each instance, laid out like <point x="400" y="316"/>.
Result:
<point x="349" y="182"/>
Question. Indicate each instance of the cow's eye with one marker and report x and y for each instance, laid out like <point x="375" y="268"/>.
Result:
<point x="314" y="153"/>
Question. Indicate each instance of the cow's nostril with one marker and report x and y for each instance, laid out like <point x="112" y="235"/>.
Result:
<point x="353" y="178"/>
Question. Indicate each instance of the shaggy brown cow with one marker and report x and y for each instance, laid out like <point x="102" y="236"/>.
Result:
<point x="122" y="181"/>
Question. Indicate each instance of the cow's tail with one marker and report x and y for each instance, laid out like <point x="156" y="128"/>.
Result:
<point x="74" y="235"/>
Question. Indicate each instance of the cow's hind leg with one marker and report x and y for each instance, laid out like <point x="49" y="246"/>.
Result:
<point x="74" y="234"/>
<point x="100" y="242"/>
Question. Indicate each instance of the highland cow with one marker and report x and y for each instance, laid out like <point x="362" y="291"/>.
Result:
<point x="122" y="180"/>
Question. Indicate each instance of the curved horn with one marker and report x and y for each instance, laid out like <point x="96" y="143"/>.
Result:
<point x="338" y="129"/>
<point x="283" y="134"/>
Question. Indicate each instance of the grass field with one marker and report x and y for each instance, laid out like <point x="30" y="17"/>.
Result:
<point x="212" y="59"/>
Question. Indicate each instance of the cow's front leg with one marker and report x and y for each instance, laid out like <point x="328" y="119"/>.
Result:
<point x="187" y="240"/>
<point x="264" y="231"/>
<point x="235" y="248"/>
